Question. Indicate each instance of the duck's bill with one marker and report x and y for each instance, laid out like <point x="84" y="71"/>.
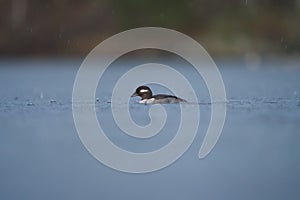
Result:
<point x="134" y="94"/>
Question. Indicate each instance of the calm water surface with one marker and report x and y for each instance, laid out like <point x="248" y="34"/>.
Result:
<point x="257" y="156"/>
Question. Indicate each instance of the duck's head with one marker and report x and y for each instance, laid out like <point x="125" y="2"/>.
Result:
<point x="143" y="91"/>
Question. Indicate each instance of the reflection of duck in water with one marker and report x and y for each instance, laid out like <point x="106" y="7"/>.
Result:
<point x="146" y="94"/>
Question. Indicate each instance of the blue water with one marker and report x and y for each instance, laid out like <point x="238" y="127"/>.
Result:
<point x="257" y="156"/>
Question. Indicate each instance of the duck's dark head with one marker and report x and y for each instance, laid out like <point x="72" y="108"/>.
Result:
<point x="143" y="91"/>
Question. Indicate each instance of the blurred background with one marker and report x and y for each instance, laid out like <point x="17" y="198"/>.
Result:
<point x="256" y="46"/>
<point x="224" y="28"/>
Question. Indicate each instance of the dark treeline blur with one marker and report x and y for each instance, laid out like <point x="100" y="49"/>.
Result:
<point x="74" y="27"/>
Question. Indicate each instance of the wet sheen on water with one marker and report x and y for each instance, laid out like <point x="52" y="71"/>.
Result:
<point x="257" y="156"/>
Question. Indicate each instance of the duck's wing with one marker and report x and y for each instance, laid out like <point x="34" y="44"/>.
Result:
<point x="168" y="98"/>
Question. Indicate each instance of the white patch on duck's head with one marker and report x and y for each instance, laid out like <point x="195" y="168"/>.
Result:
<point x="144" y="90"/>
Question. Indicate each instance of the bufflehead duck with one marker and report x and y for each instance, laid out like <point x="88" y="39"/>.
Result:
<point x="146" y="94"/>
